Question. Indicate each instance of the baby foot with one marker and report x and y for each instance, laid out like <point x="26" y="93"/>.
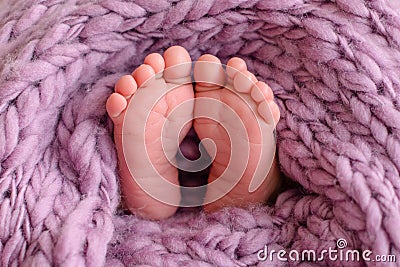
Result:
<point x="250" y="159"/>
<point x="141" y="109"/>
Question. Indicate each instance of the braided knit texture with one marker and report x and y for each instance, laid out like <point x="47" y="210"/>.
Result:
<point x="334" y="67"/>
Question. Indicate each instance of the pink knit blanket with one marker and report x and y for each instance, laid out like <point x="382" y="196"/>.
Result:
<point x="334" y="67"/>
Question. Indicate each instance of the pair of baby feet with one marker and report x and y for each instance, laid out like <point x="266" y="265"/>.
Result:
<point x="232" y="113"/>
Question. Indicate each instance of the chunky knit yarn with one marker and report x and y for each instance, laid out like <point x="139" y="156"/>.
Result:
<point x="334" y="67"/>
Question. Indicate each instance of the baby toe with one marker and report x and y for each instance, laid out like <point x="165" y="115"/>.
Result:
<point x="115" y="105"/>
<point x="126" y="86"/>
<point x="208" y="73"/>
<point x="143" y="74"/>
<point x="244" y="81"/>
<point x="276" y="113"/>
<point x="261" y="92"/>
<point x="156" y="61"/>
<point x="269" y="111"/>
<point x="235" y="65"/>
<point x="178" y="64"/>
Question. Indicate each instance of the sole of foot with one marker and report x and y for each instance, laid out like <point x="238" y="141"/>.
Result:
<point x="237" y="112"/>
<point x="145" y="127"/>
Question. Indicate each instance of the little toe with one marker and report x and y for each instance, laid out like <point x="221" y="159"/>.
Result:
<point x="178" y="65"/>
<point x="156" y="61"/>
<point x="269" y="111"/>
<point x="235" y="65"/>
<point x="276" y="113"/>
<point x="126" y="86"/>
<point x="115" y="106"/>
<point x="209" y="73"/>
<point x="261" y="92"/>
<point x="244" y="81"/>
<point x="143" y="74"/>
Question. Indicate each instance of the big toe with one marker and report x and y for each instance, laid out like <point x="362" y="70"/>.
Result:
<point x="267" y="108"/>
<point x="209" y="73"/>
<point x="178" y="65"/>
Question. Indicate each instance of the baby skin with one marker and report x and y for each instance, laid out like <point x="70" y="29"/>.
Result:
<point x="148" y="131"/>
